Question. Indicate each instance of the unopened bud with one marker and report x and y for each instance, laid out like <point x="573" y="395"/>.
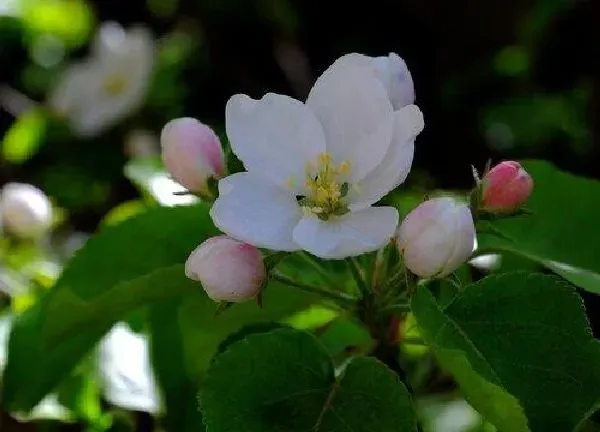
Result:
<point x="393" y="73"/>
<point x="192" y="153"/>
<point x="505" y="188"/>
<point x="229" y="270"/>
<point x="26" y="210"/>
<point x="436" y="237"/>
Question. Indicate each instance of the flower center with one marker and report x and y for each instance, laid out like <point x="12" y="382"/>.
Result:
<point x="327" y="188"/>
<point x="115" y="84"/>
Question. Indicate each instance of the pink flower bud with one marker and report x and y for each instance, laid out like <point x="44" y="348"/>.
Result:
<point x="229" y="270"/>
<point x="436" y="237"/>
<point x="506" y="187"/>
<point x="192" y="153"/>
<point x="26" y="210"/>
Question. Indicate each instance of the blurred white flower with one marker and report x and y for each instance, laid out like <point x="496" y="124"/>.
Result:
<point x="10" y="7"/>
<point x="125" y="370"/>
<point x="26" y="211"/>
<point x="96" y="93"/>
<point x="140" y="143"/>
<point x="315" y="169"/>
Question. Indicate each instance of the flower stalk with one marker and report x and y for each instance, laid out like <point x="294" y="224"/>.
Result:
<point x="339" y="297"/>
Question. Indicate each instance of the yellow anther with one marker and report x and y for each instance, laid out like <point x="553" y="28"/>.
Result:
<point x="326" y="187"/>
<point x="115" y="84"/>
<point x="324" y="158"/>
<point x="344" y="167"/>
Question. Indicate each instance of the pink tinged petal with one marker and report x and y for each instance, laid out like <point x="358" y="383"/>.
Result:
<point x="506" y="187"/>
<point x="256" y="211"/>
<point x="349" y="235"/>
<point x="192" y="152"/>
<point x="275" y="137"/>
<point x="354" y="110"/>
<point x="229" y="270"/>
<point x="393" y="170"/>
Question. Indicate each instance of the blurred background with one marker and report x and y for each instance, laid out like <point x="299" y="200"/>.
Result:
<point x="86" y="86"/>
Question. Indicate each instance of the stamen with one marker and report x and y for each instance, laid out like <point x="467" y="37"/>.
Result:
<point x="326" y="187"/>
<point x="115" y="84"/>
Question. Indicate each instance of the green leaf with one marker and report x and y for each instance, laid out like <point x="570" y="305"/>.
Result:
<point x="285" y="381"/>
<point x="179" y="389"/>
<point x="187" y="333"/>
<point x="93" y="292"/>
<point x="244" y="332"/>
<point x="563" y="231"/>
<point x="49" y="340"/>
<point x="123" y="211"/>
<point x="520" y="348"/>
<point x="25" y="137"/>
<point x="158" y="238"/>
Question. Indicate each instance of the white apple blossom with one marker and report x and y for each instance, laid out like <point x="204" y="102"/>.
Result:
<point x="25" y="210"/>
<point x="314" y="169"/>
<point x="96" y="93"/>
<point x="393" y="73"/>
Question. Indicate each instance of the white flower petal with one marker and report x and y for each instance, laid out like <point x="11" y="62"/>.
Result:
<point x="352" y="104"/>
<point x="125" y="370"/>
<point x="71" y="89"/>
<point x="393" y="170"/>
<point x="256" y="211"/>
<point x="109" y="37"/>
<point x="352" y="234"/>
<point x="275" y="137"/>
<point x="393" y="74"/>
<point x="396" y="78"/>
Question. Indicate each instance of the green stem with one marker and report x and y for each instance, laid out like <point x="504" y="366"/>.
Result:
<point x="272" y="260"/>
<point x="377" y="268"/>
<point x="413" y="341"/>
<point x="320" y="270"/>
<point x="360" y="282"/>
<point x="337" y="296"/>
<point x="398" y="307"/>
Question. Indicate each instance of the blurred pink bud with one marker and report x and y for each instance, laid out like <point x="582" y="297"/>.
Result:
<point x="26" y="210"/>
<point x="506" y="187"/>
<point x="436" y="237"/>
<point x="192" y="153"/>
<point x="229" y="270"/>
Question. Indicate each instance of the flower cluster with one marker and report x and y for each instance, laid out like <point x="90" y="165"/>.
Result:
<point x="314" y="174"/>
